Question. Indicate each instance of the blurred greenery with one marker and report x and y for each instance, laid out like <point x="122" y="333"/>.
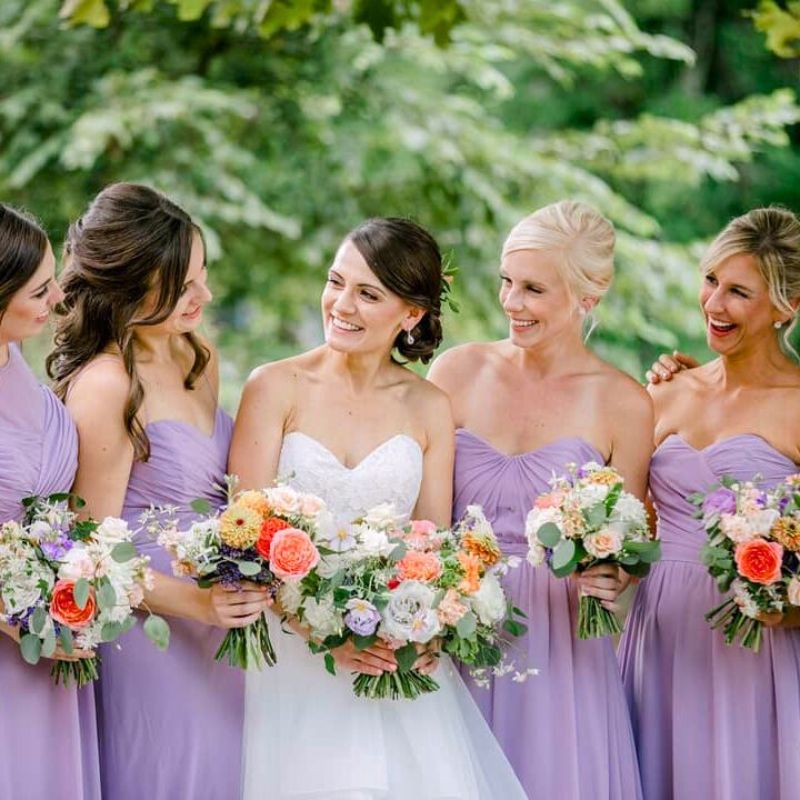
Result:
<point x="279" y="124"/>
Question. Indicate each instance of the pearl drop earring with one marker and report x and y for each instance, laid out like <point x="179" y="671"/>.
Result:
<point x="410" y="338"/>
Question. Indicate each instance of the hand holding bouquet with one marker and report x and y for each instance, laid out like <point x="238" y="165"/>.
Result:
<point x="752" y="549"/>
<point x="263" y="537"/>
<point x="413" y="586"/>
<point x="71" y="584"/>
<point x="588" y="519"/>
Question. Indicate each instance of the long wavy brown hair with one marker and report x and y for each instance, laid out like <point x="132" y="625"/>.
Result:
<point x="132" y="243"/>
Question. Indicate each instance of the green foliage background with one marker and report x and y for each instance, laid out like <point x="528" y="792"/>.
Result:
<point x="279" y="124"/>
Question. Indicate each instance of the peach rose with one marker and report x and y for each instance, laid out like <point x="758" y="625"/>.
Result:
<point x="451" y="609"/>
<point x="292" y="554"/>
<point x="310" y="505"/>
<point x="417" y="566"/>
<point x="269" y="527"/>
<point x="603" y="543"/>
<point x="283" y="500"/>
<point x="759" y="561"/>
<point x="64" y="609"/>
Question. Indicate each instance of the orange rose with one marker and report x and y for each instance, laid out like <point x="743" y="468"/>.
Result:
<point x="759" y="560"/>
<point x="269" y="527"/>
<point x="417" y="566"/>
<point x="292" y="554"/>
<point x="64" y="609"/>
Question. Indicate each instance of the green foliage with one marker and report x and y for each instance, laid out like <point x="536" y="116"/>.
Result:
<point x="279" y="139"/>
<point x="781" y="25"/>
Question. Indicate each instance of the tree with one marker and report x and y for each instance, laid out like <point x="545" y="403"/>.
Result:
<point x="279" y="144"/>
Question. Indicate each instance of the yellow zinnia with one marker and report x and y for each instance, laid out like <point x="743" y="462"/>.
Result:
<point x="239" y="526"/>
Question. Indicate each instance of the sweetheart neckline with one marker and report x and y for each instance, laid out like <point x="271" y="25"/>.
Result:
<point x="368" y="456"/>
<point x="547" y="446"/>
<point x="725" y="440"/>
<point x="184" y="424"/>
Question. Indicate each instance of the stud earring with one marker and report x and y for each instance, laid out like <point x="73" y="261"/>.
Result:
<point x="777" y="324"/>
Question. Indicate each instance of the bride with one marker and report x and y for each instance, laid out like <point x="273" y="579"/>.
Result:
<point x="348" y="422"/>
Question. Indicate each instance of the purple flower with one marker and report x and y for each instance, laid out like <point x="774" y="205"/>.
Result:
<point x="720" y="501"/>
<point x="56" y="550"/>
<point x="362" y="617"/>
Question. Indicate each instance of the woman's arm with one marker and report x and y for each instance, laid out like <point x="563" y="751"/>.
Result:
<point x="105" y="458"/>
<point x="258" y="434"/>
<point x="435" y="501"/>
<point x="631" y="420"/>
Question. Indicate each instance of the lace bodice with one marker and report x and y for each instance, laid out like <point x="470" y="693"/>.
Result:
<point x="391" y="473"/>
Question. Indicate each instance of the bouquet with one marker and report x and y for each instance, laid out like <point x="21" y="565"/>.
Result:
<point x="261" y="536"/>
<point x="752" y="550"/>
<point x="407" y="586"/>
<point x="588" y="519"/>
<point x="73" y="583"/>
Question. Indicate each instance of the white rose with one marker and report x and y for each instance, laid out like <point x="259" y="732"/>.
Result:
<point x="409" y="614"/>
<point x="76" y="564"/>
<point x="489" y="602"/>
<point x="113" y="530"/>
<point x="283" y="500"/>
<point x="382" y="516"/>
<point x="604" y="543"/>
<point x="311" y="505"/>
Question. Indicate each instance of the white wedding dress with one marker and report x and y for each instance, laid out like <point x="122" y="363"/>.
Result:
<point x="308" y="737"/>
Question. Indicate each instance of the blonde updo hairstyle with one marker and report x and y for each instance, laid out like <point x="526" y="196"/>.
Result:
<point x="772" y="237"/>
<point x="582" y="238"/>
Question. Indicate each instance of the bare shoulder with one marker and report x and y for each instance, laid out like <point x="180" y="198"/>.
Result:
<point x="426" y="395"/>
<point x="683" y="384"/>
<point x="461" y="363"/>
<point x="624" y="394"/>
<point x="102" y="386"/>
<point x="281" y="375"/>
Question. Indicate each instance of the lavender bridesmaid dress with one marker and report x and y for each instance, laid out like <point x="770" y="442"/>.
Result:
<point x="711" y="720"/>
<point x="566" y="731"/>
<point x="171" y="723"/>
<point x="48" y="736"/>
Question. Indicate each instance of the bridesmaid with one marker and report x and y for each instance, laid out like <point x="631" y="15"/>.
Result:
<point x="712" y="720"/>
<point x="526" y="407"/>
<point x="39" y="722"/>
<point x="142" y="387"/>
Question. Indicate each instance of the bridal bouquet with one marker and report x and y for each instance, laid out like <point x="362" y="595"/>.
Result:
<point x="587" y="519"/>
<point x="73" y="583"/>
<point x="263" y="536"/>
<point x="752" y="550"/>
<point x="408" y="586"/>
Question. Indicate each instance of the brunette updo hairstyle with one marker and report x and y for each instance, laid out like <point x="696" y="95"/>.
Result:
<point x="23" y="244"/>
<point x="406" y="260"/>
<point x="132" y="243"/>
